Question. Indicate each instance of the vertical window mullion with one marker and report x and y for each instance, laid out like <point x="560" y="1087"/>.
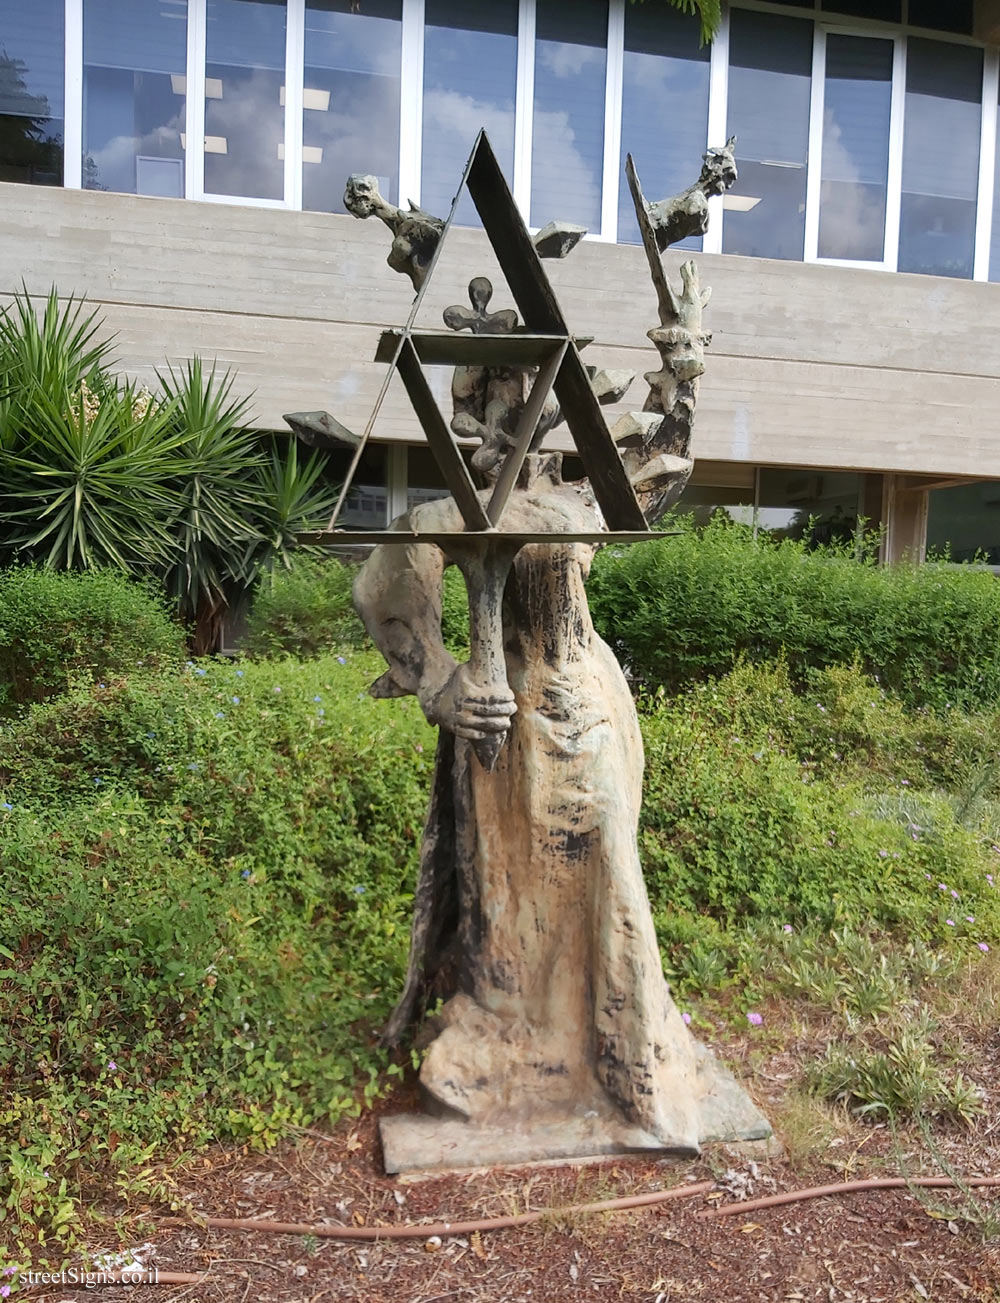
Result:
<point x="411" y="94"/>
<point x="295" y="44"/>
<point x="987" y="167"/>
<point x="73" y="107"/>
<point x="814" y="162"/>
<point x="194" y="105"/>
<point x="524" y="104"/>
<point x="718" y="112"/>
<point x="613" y="120"/>
<point x="894" y="183"/>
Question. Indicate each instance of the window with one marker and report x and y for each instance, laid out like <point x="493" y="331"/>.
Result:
<point x="350" y="113"/>
<point x="664" y="107"/>
<point x="470" y="76"/>
<point x="856" y="103"/>
<point x="770" y="70"/>
<point x="244" y="97"/>
<point x="700" y="502"/>
<point x="890" y="11"/>
<point x="31" y="91"/>
<point x="944" y="84"/>
<point x="964" y="522"/>
<point x="953" y="16"/>
<point x="567" y="154"/>
<point x="819" y="506"/>
<point x="134" y="89"/>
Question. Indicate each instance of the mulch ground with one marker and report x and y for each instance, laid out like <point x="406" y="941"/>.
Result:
<point x="871" y="1248"/>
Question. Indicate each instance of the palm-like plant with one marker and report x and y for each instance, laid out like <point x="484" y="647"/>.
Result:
<point x="292" y="497"/>
<point x="216" y="485"/>
<point x="97" y="472"/>
<point x="84" y="464"/>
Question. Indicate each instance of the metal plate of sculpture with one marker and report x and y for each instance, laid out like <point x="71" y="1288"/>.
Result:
<point x="557" y="1035"/>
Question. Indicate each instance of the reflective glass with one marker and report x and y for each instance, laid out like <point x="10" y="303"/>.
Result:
<point x="953" y="16"/>
<point x="964" y="522"/>
<point x="567" y="150"/>
<point x="350" y="109"/>
<point x="470" y="77"/>
<point x="937" y="229"/>
<point x="664" y="107"/>
<point x="889" y="10"/>
<point x="995" y="231"/>
<point x="700" y="502"/>
<point x="31" y="91"/>
<point x="856" y="106"/>
<point x="770" y="69"/>
<point x="819" y="506"/>
<point x="244" y="94"/>
<point x="134" y="88"/>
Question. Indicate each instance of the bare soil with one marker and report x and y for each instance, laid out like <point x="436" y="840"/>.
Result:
<point x="870" y="1248"/>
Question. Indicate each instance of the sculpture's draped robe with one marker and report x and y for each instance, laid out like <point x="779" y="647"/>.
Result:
<point x="531" y="910"/>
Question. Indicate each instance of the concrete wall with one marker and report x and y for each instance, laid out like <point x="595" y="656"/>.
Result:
<point x="811" y="365"/>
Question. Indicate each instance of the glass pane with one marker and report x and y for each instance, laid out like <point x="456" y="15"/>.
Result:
<point x="567" y="151"/>
<point x="665" y="82"/>
<point x="954" y="16"/>
<point x="770" y="69"/>
<point x="889" y="10"/>
<point x="855" y="147"/>
<point x="31" y="91"/>
<point x="995" y="230"/>
<point x="470" y="75"/>
<point x="819" y="506"/>
<point x="937" y="229"/>
<point x="964" y="522"/>
<point x="350" y="114"/>
<point x="701" y="501"/>
<point x="244" y="99"/>
<point x="134" y="88"/>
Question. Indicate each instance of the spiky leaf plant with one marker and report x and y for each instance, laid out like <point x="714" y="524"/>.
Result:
<point x="85" y="477"/>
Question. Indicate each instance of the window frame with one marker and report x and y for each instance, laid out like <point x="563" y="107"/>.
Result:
<point x="411" y="115"/>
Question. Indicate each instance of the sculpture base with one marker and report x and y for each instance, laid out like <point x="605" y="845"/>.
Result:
<point x="414" y="1142"/>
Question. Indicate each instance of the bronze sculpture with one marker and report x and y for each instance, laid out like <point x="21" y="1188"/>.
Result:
<point x="557" y="1034"/>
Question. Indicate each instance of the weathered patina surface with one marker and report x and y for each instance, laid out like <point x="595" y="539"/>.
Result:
<point x="531" y="920"/>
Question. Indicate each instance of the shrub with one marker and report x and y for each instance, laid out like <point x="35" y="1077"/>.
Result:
<point x="208" y="879"/>
<point x="57" y="627"/>
<point x="689" y="607"/>
<point x="305" y="610"/>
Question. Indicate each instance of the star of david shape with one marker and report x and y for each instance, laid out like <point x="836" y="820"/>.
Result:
<point x="544" y="340"/>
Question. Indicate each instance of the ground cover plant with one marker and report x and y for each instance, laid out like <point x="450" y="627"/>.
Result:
<point x="208" y="867"/>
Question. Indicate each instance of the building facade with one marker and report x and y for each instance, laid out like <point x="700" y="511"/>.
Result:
<point x="182" y="163"/>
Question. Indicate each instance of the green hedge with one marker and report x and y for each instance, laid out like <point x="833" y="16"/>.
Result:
<point x="686" y="608"/>
<point x="55" y="628"/>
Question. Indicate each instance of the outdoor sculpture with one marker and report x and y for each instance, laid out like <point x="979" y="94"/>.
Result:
<point x="686" y="214"/>
<point x="557" y="1035"/>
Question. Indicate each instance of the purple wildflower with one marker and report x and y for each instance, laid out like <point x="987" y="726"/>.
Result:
<point x="755" y="1019"/>
<point x="981" y="945"/>
<point x="686" y="1019"/>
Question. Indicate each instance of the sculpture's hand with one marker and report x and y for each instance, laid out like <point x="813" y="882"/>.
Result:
<point x="469" y="709"/>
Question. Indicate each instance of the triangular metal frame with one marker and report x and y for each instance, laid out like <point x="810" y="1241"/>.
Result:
<point x="544" y="341"/>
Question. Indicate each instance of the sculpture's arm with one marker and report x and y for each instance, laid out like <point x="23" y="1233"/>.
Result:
<point x="398" y="595"/>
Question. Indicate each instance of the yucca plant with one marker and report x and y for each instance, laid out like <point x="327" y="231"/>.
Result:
<point x="292" y="497"/>
<point x="217" y="486"/>
<point x="85" y="477"/>
<point x="56" y="351"/>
